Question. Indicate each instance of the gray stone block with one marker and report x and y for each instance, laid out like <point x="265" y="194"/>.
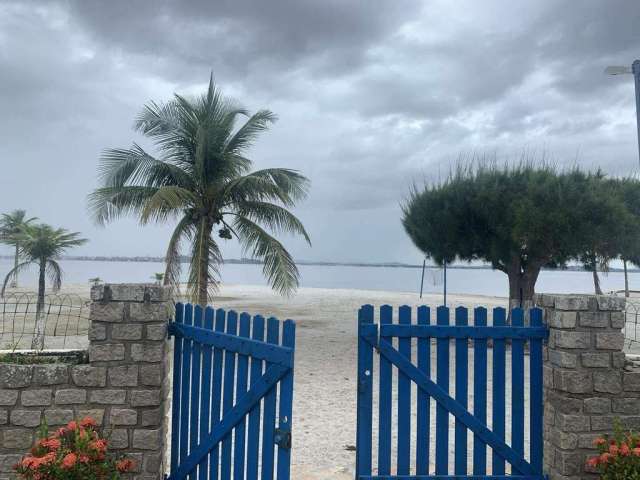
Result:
<point x="25" y="418"/>
<point x="571" y="339"/>
<point x="564" y="359"/>
<point x="145" y="398"/>
<point x="123" y="376"/>
<point x="88" y="376"/>
<point x="151" y="418"/>
<point x="148" y="312"/>
<point x="126" y="331"/>
<point x="7" y="462"/>
<point x="156" y="331"/>
<point x="596" y="359"/>
<point x="36" y="398"/>
<point x="618" y="320"/>
<point x="58" y="416"/>
<point x="629" y="406"/>
<point x="572" y="423"/>
<point x="569" y="462"/>
<point x="8" y="397"/>
<point x="4" y="417"/>
<point x="131" y="292"/>
<point x="594" y="319"/>
<point x="108" y="397"/>
<point x="96" y="413"/>
<point x="106" y="352"/>
<point x="97" y="331"/>
<point x="18" y="438"/>
<point x="123" y="416"/>
<point x="572" y="302"/>
<point x="50" y="374"/>
<point x="144" y="439"/>
<point x="562" y="319"/>
<point x="609" y="302"/>
<point x="118" y="439"/>
<point x="112" y="312"/>
<point x="610" y="341"/>
<point x="152" y="462"/>
<point x="70" y="396"/>
<point x="587" y="440"/>
<point x="573" y="381"/>
<point x="607" y="381"/>
<point x="597" y="405"/>
<point x="144" y="352"/>
<point x="631" y="381"/>
<point x="15" y="376"/>
<point x="151" y="374"/>
<point x="618" y="359"/>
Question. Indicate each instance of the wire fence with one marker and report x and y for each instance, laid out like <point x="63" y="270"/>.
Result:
<point x="632" y="325"/>
<point x="66" y="319"/>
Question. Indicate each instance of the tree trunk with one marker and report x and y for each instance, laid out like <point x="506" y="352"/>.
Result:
<point x="596" y="281"/>
<point x="203" y="263"/>
<point x="626" y="278"/>
<point x="522" y="287"/>
<point x="16" y="260"/>
<point x="38" y="336"/>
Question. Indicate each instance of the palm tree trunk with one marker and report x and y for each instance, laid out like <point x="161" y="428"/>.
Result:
<point x="596" y="281"/>
<point x="38" y="336"/>
<point x="16" y="260"/>
<point x="203" y="262"/>
<point x="626" y="278"/>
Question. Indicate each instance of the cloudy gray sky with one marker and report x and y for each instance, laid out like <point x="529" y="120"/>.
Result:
<point x="371" y="97"/>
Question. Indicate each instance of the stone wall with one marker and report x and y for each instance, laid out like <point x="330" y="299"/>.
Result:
<point x="122" y="386"/>
<point x="587" y="382"/>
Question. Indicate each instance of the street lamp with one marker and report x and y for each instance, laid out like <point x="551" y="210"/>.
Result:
<point x="635" y="70"/>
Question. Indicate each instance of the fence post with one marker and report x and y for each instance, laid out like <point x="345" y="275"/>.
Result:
<point x="365" y="392"/>
<point x="586" y="384"/>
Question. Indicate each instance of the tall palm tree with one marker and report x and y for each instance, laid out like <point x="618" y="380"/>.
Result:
<point x="201" y="178"/>
<point x="11" y="224"/>
<point x="41" y="245"/>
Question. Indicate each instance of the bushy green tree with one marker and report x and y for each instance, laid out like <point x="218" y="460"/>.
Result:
<point x="11" y="226"/>
<point x="201" y="177"/>
<point x="519" y="219"/>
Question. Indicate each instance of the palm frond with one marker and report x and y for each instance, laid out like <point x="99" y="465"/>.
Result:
<point x="279" y="184"/>
<point x="166" y="202"/>
<point x="12" y="273"/>
<point x="54" y="272"/>
<point x="184" y="230"/>
<point x="204" y="246"/>
<point x="279" y="267"/>
<point x="110" y="203"/>
<point x="275" y="217"/>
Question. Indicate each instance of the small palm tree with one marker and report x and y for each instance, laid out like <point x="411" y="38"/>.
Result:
<point x="201" y="178"/>
<point x="158" y="277"/>
<point x="41" y="245"/>
<point x="11" y="224"/>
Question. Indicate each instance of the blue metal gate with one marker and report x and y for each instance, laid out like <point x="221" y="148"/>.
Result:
<point x="508" y="460"/>
<point x="224" y="376"/>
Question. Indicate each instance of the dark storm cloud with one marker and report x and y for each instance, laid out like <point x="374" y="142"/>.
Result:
<point x="371" y="96"/>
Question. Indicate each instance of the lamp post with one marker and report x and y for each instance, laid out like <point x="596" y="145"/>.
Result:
<point x="635" y="70"/>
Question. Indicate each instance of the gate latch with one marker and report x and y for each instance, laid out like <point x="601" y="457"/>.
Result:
<point x="282" y="438"/>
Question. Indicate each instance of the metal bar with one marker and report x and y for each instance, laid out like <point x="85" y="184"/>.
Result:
<point x="462" y="392"/>
<point x="241" y="388"/>
<point x="442" y="415"/>
<point x="227" y="397"/>
<point x="450" y="331"/>
<point x="480" y="392"/>
<point x="404" y="400"/>
<point x="517" y="386"/>
<point x="205" y="393"/>
<point x="423" y="426"/>
<point x="269" y="413"/>
<point x="536" y="398"/>
<point x="385" y="399"/>
<point x="286" y="403"/>
<point x="498" y="413"/>
<point x="253" y="437"/>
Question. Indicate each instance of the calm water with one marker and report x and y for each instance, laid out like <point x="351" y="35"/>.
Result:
<point x="469" y="281"/>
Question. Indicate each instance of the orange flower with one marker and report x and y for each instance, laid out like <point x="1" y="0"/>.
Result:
<point x="625" y="450"/>
<point x="636" y="451"/>
<point x="593" y="462"/>
<point x="125" y="465"/>
<point x="88" y="422"/>
<point x="51" y="443"/>
<point x="599" y="441"/>
<point x="83" y="459"/>
<point x="605" y="457"/>
<point x="613" y="449"/>
<point x="69" y="460"/>
<point x="99" y="445"/>
<point x="72" y="425"/>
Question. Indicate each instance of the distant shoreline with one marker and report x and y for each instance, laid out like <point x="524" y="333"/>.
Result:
<point x="247" y="261"/>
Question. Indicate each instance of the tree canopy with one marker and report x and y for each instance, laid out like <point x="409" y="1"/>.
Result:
<point x="520" y="219"/>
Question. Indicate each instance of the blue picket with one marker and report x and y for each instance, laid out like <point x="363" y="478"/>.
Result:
<point x="216" y="396"/>
<point x="517" y="386"/>
<point x="423" y="425"/>
<point x="498" y="424"/>
<point x="205" y="394"/>
<point x="462" y="393"/>
<point x="285" y="409"/>
<point x="269" y="411"/>
<point x="385" y="392"/>
<point x="480" y="392"/>
<point x="177" y="402"/>
<point x="404" y="399"/>
<point x="241" y="388"/>
<point x="442" y="416"/>
<point x="253" y="438"/>
<point x="365" y="390"/>
<point x="227" y="396"/>
<point x="185" y="394"/>
<point x="535" y="395"/>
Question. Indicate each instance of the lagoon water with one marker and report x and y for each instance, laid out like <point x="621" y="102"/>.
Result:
<point x="463" y="281"/>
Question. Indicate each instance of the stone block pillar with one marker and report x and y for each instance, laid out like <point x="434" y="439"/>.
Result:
<point x="127" y="370"/>
<point x="586" y="384"/>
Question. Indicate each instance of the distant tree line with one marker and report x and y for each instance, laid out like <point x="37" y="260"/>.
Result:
<point x="526" y="217"/>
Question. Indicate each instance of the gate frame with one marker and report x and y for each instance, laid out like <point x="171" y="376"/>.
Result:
<point x="377" y="337"/>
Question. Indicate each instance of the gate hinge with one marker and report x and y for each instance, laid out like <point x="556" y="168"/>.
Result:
<point x="282" y="438"/>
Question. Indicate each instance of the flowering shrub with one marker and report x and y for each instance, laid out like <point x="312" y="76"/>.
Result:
<point x="73" y="452"/>
<point x="619" y="455"/>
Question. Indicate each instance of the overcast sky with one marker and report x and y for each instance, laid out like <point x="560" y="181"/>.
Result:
<point x="371" y="96"/>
